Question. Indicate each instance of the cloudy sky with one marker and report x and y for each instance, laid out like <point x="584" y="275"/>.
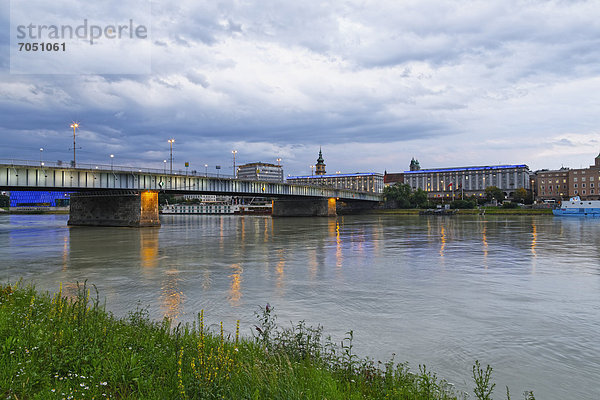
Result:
<point x="374" y="83"/>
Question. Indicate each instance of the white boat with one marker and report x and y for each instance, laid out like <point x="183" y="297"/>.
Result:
<point x="576" y="207"/>
<point x="201" y="208"/>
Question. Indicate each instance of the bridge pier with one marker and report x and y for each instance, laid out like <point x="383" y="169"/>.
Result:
<point x="304" y="208"/>
<point x="105" y="208"/>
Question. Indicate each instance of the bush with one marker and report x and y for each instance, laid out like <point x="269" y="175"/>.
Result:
<point x="4" y="201"/>
<point x="463" y="204"/>
<point x="510" y="205"/>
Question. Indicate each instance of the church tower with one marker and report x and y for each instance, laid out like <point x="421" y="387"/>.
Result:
<point x="320" y="167"/>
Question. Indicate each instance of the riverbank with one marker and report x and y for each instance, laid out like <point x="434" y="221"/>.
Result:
<point x="59" y="347"/>
<point x="487" y="211"/>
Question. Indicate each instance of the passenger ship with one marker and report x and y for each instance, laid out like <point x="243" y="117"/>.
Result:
<point x="575" y="207"/>
<point x="215" y="208"/>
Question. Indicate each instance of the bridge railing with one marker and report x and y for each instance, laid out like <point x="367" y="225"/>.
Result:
<point x="115" y="168"/>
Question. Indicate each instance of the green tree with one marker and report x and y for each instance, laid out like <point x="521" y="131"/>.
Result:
<point x="418" y="198"/>
<point x="398" y="193"/>
<point x="520" y="195"/>
<point x="463" y="204"/>
<point x="493" y="192"/>
<point x="4" y="201"/>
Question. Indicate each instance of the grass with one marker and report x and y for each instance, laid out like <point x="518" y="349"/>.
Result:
<point x="54" y="347"/>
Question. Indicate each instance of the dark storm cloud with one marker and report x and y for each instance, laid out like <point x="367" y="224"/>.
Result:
<point x="385" y="81"/>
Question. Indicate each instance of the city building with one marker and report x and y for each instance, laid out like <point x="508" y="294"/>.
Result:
<point x="551" y="184"/>
<point x="583" y="182"/>
<point x="32" y="198"/>
<point x="320" y="166"/>
<point x="364" y="182"/>
<point x="467" y="181"/>
<point x="392" y="179"/>
<point x="260" y="172"/>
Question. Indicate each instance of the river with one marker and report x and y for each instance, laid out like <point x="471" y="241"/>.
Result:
<point x="521" y="293"/>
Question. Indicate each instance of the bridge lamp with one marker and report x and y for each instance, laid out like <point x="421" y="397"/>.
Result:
<point x="112" y="157"/>
<point x="165" y="164"/>
<point x="171" y="141"/>
<point x="206" y="170"/>
<point x="279" y="161"/>
<point x="234" y="152"/>
<point x="311" y="169"/>
<point x="74" y="125"/>
<point x="41" y="160"/>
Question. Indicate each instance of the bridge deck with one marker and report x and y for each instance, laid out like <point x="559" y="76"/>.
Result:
<point x="28" y="177"/>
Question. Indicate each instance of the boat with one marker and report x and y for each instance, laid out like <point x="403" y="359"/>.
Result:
<point x="576" y="207"/>
<point x="202" y="208"/>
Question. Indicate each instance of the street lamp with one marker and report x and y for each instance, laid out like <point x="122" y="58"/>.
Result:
<point x="234" y="152"/>
<point x="171" y="141"/>
<point x="279" y="161"/>
<point x="311" y="169"/>
<point x="112" y="157"/>
<point x="41" y="160"/>
<point x="206" y="170"/>
<point x="74" y="125"/>
<point x="165" y="165"/>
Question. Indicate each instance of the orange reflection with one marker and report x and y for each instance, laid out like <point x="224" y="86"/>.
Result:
<point x="280" y="269"/>
<point x="171" y="296"/>
<point x="235" y="289"/>
<point x="149" y="247"/>
<point x="65" y="252"/>
<point x="443" y="246"/>
<point x="312" y="264"/>
<point x="338" y="250"/>
<point x="533" y="239"/>
<point x="485" y="245"/>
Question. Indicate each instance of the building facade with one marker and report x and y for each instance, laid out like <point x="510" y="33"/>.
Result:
<point x="551" y="184"/>
<point x="364" y="182"/>
<point x="584" y="182"/>
<point x="39" y="199"/>
<point x="469" y="181"/>
<point x="320" y="166"/>
<point x="260" y="172"/>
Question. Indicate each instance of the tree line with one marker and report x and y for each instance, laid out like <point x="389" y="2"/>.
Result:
<point x="401" y="195"/>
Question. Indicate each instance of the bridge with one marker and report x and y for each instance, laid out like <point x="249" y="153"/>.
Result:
<point x="126" y="196"/>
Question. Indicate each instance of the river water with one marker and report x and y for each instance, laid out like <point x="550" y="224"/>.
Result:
<point x="520" y="293"/>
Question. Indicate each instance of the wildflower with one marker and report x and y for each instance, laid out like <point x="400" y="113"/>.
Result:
<point x="104" y="383"/>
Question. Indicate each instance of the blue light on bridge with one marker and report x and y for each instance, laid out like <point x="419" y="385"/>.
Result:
<point x="39" y="199"/>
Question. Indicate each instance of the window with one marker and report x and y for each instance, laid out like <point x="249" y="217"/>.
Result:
<point x="583" y="192"/>
<point x="592" y="191"/>
<point x="576" y="192"/>
<point x="575" y="179"/>
<point x="591" y="185"/>
<point x="583" y="179"/>
<point x="575" y="185"/>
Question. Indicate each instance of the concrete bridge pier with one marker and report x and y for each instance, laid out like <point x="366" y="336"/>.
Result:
<point x="310" y="207"/>
<point x="116" y="208"/>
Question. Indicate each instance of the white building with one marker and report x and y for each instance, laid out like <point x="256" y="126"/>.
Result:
<point x="260" y="172"/>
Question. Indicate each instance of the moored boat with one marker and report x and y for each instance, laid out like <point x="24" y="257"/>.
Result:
<point x="576" y="207"/>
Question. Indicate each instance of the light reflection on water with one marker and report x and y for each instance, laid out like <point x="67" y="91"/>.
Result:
<point x="520" y="293"/>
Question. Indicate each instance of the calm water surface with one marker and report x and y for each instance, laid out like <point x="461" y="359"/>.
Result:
<point x="519" y="293"/>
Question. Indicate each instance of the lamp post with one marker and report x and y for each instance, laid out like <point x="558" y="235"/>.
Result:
<point x="311" y="169"/>
<point x="279" y="161"/>
<point x="74" y="125"/>
<point x="41" y="159"/>
<point x="165" y="165"/>
<point x="112" y="157"/>
<point x="171" y="141"/>
<point x="206" y="170"/>
<point x="234" y="152"/>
